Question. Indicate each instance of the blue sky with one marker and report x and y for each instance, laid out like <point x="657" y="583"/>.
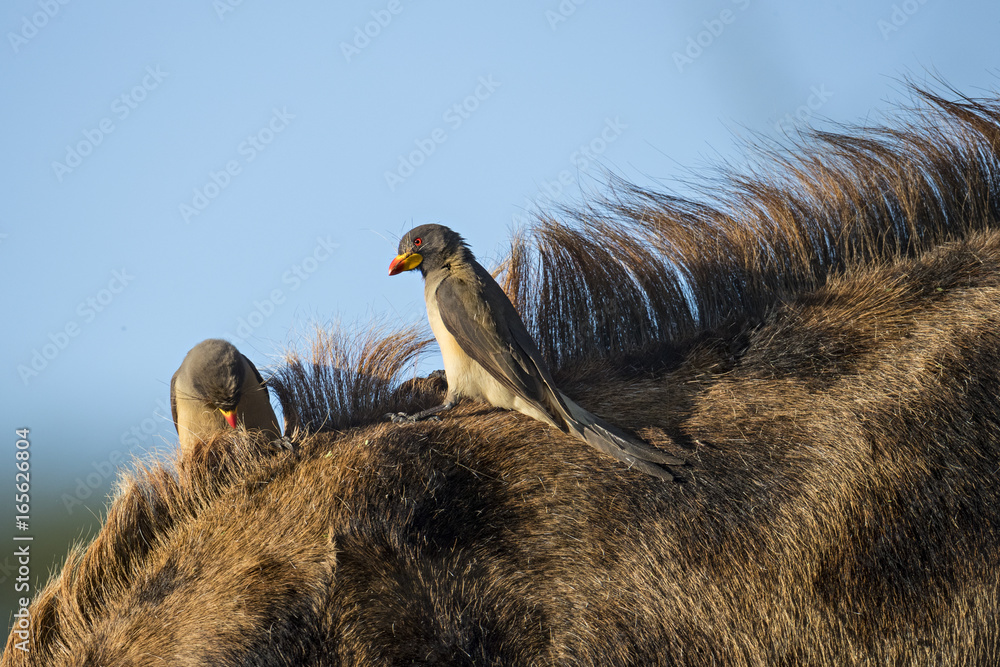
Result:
<point x="179" y="171"/>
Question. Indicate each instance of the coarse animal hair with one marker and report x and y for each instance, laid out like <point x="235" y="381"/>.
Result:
<point x="351" y="376"/>
<point x="673" y="268"/>
<point x="822" y="339"/>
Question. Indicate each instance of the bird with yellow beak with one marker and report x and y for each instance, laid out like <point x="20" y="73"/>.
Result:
<point x="216" y="388"/>
<point x="489" y="355"/>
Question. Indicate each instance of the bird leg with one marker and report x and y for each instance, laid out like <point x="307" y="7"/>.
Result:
<point x="429" y="413"/>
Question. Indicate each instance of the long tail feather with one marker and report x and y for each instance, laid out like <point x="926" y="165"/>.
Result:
<point x="611" y="440"/>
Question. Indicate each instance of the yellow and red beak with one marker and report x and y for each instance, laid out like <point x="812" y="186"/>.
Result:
<point x="407" y="262"/>
<point x="230" y="416"/>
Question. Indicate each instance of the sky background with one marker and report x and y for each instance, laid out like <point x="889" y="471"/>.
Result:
<point x="240" y="169"/>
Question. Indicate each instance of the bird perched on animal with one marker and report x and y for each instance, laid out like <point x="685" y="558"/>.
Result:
<point x="215" y="388"/>
<point x="489" y="354"/>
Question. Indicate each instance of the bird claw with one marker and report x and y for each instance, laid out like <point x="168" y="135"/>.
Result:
<point x="284" y="442"/>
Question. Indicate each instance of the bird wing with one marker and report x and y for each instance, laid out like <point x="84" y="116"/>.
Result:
<point x="173" y="400"/>
<point x="488" y="328"/>
<point x="256" y="373"/>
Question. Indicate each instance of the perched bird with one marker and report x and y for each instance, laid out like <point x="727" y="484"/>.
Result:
<point x="217" y="387"/>
<point x="489" y="354"/>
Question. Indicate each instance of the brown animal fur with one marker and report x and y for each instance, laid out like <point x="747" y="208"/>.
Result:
<point x="825" y="346"/>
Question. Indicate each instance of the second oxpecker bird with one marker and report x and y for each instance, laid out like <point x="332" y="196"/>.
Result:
<point x="489" y="354"/>
<point x="215" y="388"/>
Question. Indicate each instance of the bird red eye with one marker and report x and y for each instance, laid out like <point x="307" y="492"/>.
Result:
<point x="417" y="241"/>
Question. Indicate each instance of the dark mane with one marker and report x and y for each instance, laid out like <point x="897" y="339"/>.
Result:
<point x="671" y="268"/>
<point x="351" y="378"/>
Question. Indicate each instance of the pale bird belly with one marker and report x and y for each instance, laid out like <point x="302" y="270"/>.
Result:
<point x="463" y="373"/>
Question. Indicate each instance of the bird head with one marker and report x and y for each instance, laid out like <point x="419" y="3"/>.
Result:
<point x="217" y="375"/>
<point x="426" y="247"/>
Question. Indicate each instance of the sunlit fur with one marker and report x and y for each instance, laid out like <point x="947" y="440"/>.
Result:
<point x="823" y="338"/>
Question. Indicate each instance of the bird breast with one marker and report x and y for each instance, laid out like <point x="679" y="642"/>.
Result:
<point x="459" y="367"/>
